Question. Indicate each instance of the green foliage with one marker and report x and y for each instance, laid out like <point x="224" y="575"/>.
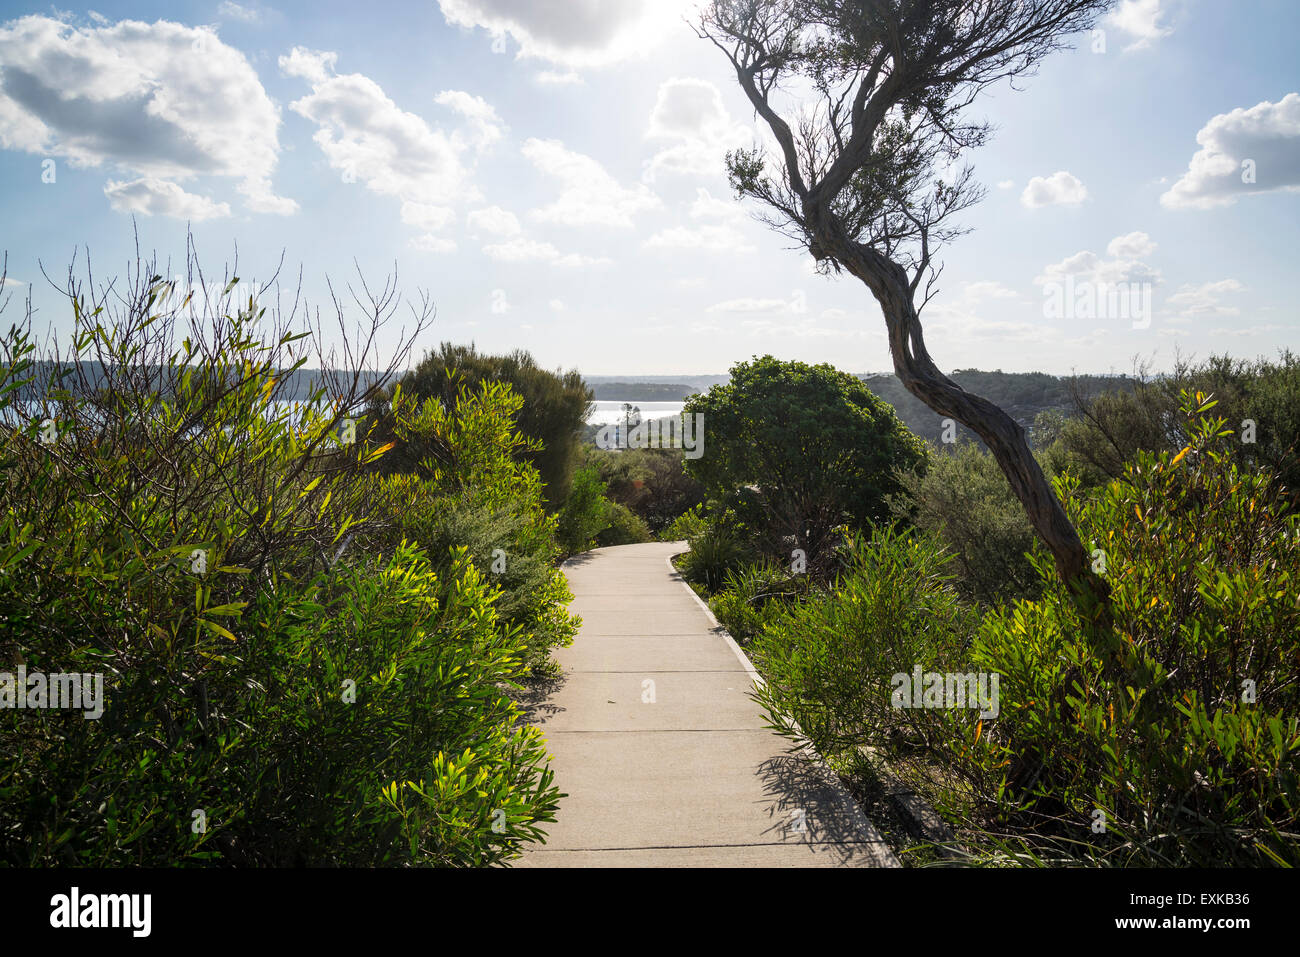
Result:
<point x="586" y="512"/>
<point x="1110" y="428"/>
<point x="963" y="499"/>
<point x="685" y="526"/>
<point x="1157" y="730"/>
<point x="718" y="548"/>
<point x="811" y="445"/>
<point x="653" y="483"/>
<point x="753" y="598"/>
<point x="471" y="490"/>
<point x="828" y="660"/>
<point x="217" y="557"/>
<point x="624" y="528"/>
<point x="551" y="415"/>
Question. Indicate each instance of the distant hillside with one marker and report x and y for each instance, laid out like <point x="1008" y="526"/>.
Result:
<point x="643" y="391"/>
<point x="1022" y="395"/>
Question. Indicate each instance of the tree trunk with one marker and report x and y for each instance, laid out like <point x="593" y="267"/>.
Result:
<point x="1002" y="434"/>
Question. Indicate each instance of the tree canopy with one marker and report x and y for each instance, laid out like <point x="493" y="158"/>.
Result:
<point x="818" y="448"/>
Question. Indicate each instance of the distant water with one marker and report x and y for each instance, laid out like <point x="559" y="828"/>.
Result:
<point x="612" y="411"/>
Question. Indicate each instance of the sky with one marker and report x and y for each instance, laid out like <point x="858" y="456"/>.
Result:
<point x="551" y="173"/>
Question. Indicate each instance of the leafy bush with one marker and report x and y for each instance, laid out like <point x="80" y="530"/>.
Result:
<point x="686" y="525"/>
<point x="1156" y="726"/>
<point x="551" y="415"/>
<point x="809" y="446"/>
<point x="586" y="512"/>
<point x="716" y="550"/>
<point x="963" y="498"/>
<point x="625" y="528"/>
<point x="652" y="483"/>
<point x="753" y="598"/>
<point x="828" y="660"/>
<point x="170" y="523"/>
<point x="472" y="491"/>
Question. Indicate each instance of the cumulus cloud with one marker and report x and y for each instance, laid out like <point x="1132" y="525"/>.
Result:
<point x="749" y="305"/>
<point x="393" y="152"/>
<point x="486" y="127"/>
<point x="429" y="243"/>
<point x="524" y="250"/>
<point x="572" y="33"/>
<point x="1260" y="144"/>
<point x="691" y="119"/>
<point x="557" y="78"/>
<point x="1135" y="245"/>
<point x="161" y="101"/>
<point x="157" y="197"/>
<point x="494" y="221"/>
<point x="589" y="195"/>
<point x="716" y="228"/>
<point x="1140" y="19"/>
<point x="235" y="11"/>
<point x="1087" y="266"/>
<point x="1206" y="299"/>
<point x="1061" y="188"/>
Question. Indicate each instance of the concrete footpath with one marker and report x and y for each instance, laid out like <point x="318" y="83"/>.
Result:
<point x="661" y="751"/>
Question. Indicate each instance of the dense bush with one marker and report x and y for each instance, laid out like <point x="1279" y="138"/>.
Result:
<point x="624" y="528"/>
<point x="586" y="512"/>
<point x="1260" y="400"/>
<point x="1179" y="722"/>
<point x="828" y="660"/>
<point x="212" y="551"/>
<point x="1184" y="727"/>
<point x="963" y="498"/>
<point x="472" y="490"/>
<point x="551" y="416"/>
<point x="802" y="451"/>
<point x="652" y="483"/>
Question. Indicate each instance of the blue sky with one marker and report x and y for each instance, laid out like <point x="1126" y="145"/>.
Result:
<point x="551" y="172"/>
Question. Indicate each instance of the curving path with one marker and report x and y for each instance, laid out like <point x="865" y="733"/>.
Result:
<point x="661" y="751"/>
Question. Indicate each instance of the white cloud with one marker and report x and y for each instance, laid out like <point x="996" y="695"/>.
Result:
<point x="589" y="195"/>
<point x="235" y="11"/>
<point x="720" y="235"/>
<point x="690" y="116"/>
<point x="494" y="221"/>
<point x="1087" y="266"/>
<point x="393" y="152"/>
<point x="1006" y="183"/>
<point x="1140" y="19"/>
<point x="1266" y="136"/>
<point x="487" y="128"/>
<point x="157" y="197"/>
<point x="1192" y="300"/>
<point x="1135" y="245"/>
<point x="523" y="250"/>
<point x="426" y="215"/>
<point x="710" y="238"/>
<point x="1061" y="188"/>
<point x="572" y="33"/>
<point x="160" y="101"/>
<point x="430" y="243"/>
<point x="749" y="305"/>
<point x="556" y="305"/>
<point x="987" y="289"/>
<point x="556" y="78"/>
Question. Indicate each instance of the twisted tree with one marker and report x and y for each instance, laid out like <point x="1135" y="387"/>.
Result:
<point x="868" y="171"/>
